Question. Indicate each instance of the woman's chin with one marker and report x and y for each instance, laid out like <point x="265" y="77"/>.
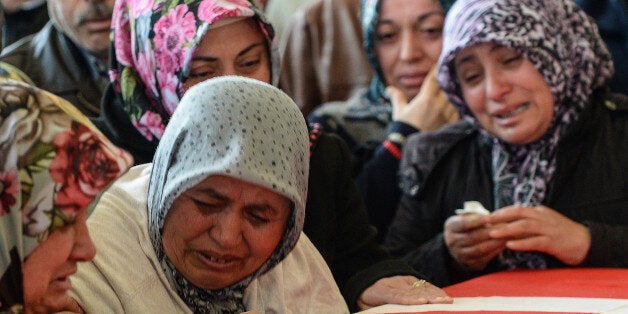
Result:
<point x="50" y="303"/>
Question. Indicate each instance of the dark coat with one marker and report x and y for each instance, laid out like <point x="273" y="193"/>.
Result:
<point x="56" y="65"/>
<point x="337" y="223"/>
<point x="441" y="170"/>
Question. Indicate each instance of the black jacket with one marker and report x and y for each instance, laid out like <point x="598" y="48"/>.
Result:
<point x="337" y="223"/>
<point x="441" y="170"/>
<point x="56" y="65"/>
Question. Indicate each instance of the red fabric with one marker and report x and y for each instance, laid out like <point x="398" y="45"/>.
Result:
<point x="563" y="282"/>
<point x="393" y="149"/>
<point x="489" y="312"/>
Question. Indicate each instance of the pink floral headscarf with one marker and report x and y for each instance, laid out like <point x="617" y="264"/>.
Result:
<point x="53" y="163"/>
<point x="153" y="45"/>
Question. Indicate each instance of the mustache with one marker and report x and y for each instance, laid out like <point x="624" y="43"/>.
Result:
<point x="96" y="11"/>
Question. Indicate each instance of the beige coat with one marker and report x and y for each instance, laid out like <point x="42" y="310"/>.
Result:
<point x="125" y="276"/>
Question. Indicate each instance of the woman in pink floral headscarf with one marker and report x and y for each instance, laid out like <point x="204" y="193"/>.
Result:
<point x="53" y="162"/>
<point x="154" y="42"/>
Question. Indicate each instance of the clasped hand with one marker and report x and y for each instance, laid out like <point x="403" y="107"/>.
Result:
<point x="474" y="240"/>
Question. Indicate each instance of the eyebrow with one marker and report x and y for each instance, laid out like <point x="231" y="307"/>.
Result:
<point x="223" y="198"/>
<point x="420" y="19"/>
<point x="213" y="193"/>
<point x="264" y="207"/>
<point x="241" y="53"/>
<point x="467" y="58"/>
<point x="464" y="60"/>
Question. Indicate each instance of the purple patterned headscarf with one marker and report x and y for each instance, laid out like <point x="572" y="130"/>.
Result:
<point x="153" y="45"/>
<point x="564" y="45"/>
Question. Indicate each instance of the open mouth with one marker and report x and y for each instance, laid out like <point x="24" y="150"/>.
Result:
<point x="514" y="112"/>
<point x="214" y="261"/>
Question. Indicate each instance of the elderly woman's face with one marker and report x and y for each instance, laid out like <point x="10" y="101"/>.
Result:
<point x="238" y="48"/>
<point x="223" y="229"/>
<point x="408" y="41"/>
<point x="505" y="92"/>
<point x="48" y="267"/>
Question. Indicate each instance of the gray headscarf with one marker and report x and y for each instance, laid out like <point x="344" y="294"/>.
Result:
<point x="241" y="128"/>
<point x="564" y="45"/>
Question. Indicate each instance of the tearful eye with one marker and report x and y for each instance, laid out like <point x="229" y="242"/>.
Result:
<point x="469" y="77"/>
<point x="512" y="60"/>
<point x="198" y="75"/>
<point x="257" y="218"/>
<point x="206" y="207"/>
<point x="251" y="63"/>
<point x="384" y="37"/>
<point x="432" y="32"/>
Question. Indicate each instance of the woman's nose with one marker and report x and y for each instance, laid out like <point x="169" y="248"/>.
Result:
<point x="496" y="86"/>
<point x="227" y="231"/>
<point x="83" y="249"/>
<point x="410" y="49"/>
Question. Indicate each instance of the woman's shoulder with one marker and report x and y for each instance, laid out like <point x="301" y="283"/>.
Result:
<point x="328" y="149"/>
<point x="607" y="119"/>
<point x="435" y="144"/>
<point x="305" y="282"/>
<point x="357" y="104"/>
<point x="617" y="103"/>
<point x="126" y="196"/>
<point x="125" y="272"/>
<point x="424" y="150"/>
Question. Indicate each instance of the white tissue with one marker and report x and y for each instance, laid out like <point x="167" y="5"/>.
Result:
<point x="472" y="207"/>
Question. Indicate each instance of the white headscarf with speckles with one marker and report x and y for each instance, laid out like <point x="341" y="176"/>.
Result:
<point x="241" y="128"/>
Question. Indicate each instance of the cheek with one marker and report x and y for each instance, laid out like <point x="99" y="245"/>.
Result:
<point x="264" y="242"/>
<point x="547" y="110"/>
<point x="262" y="75"/>
<point x="174" y="236"/>
<point x="386" y="57"/>
<point x="43" y="263"/>
<point x="475" y="100"/>
<point x="433" y="51"/>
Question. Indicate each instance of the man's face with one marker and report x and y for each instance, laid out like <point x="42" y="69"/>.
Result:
<point x="86" y="22"/>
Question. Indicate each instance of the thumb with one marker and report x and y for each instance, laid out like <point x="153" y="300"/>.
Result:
<point x="398" y="100"/>
<point x="397" y="97"/>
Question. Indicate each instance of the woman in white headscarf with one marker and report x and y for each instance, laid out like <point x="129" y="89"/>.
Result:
<point x="164" y="48"/>
<point x="216" y="212"/>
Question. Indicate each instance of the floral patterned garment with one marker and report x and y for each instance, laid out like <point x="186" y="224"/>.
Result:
<point x="565" y="46"/>
<point x="153" y="44"/>
<point x="53" y="162"/>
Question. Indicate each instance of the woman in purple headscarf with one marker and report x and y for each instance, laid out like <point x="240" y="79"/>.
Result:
<point x="542" y="146"/>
